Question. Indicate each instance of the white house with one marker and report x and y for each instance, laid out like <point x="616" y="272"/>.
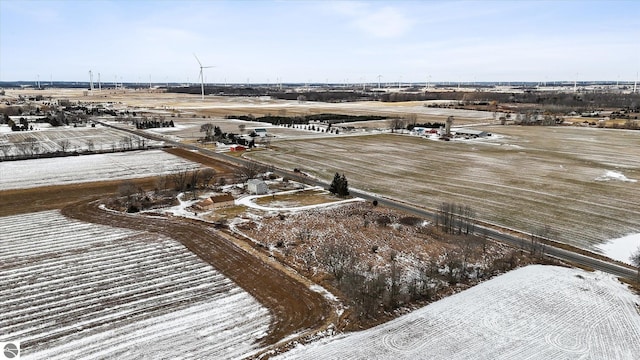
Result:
<point x="257" y="187"/>
<point x="262" y="132"/>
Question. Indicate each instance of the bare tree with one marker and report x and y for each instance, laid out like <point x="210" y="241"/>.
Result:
<point x="396" y="124"/>
<point x="180" y="180"/>
<point x="241" y="128"/>
<point x="64" y="145"/>
<point x="207" y="129"/>
<point x="160" y="183"/>
<point x="126" y="143"/>
<point x="337" y="257"/>
<point x="206" y="177"/>
<point x="249" y="170"/>
<point x="455" y="218"/>
<point x="90" y="144"/>
<point x="395" y="276"/>
<point x="5" y="149"/>
<point x="194" y="179"/>
<point x="141" y="142"/>
<point x="128" y="189"/>
<point x="538" y="237"/>
<point x="411" y="119"/>
<point x="29" y="146"/>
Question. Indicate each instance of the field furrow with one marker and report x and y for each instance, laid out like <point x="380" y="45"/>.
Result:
<point x="524" y="178"/>
<point x="113" y="283"/>
<point x="536" y="312"/>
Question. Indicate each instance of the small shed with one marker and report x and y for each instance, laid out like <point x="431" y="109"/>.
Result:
<point x="237" y="148"/>
<point x="216" y="201"/>
<point x="257" y="187"/>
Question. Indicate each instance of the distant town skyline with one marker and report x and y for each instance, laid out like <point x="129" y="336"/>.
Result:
<point x="320" y="41"/>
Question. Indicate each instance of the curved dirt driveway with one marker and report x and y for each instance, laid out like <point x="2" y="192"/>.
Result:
<point x="294" y="307"/>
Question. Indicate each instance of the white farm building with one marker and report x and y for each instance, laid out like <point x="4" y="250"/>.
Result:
<point x="257" y="187"/>
<point x="468" y="133"/>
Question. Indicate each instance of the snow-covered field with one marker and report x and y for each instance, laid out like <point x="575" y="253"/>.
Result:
<point x="536" y="312"/>
<point x="77" y="290"/>
<point x="49" y="139"/>
<point x="86" y="168"/>
<point x="621" y="249"/>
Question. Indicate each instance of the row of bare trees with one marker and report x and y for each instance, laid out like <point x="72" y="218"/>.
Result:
<point x="371" y="291"/>
<point x="31" y="147"/>
<point x="455" y="218"/>
<point x="192" y="180"/>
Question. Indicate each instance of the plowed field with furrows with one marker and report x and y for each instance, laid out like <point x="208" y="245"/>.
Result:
<point x="525" y="179"/>
<point x="73" y="139"/>
<point x="97" y="281"/>
<point x="294" y="307"/>
<point x="535" y="312"/>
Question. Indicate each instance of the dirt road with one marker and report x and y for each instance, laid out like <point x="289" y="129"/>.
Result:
<point x="293" y="305"/>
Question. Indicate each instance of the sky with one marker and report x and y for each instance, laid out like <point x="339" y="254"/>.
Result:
<point x="320" y="41"/>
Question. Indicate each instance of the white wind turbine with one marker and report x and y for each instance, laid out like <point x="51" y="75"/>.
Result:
<point x="201" y="74"/>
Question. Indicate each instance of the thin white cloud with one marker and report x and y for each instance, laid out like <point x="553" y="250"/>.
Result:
<point x="380" y="22"/>
<point x="386" y="22"/>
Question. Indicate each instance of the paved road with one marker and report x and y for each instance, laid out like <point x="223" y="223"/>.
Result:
<point x="518" y="242"/>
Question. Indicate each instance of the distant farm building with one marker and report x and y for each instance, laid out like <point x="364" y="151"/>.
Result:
<point x="257" y="187"/>
<point x="423" y="131"/>
<point x="468" y="133"/>
<point x="262" y="132"/>
<point x="419" y="130"/>
<point x="215" y="201"/>
<point x="237" y="148"/>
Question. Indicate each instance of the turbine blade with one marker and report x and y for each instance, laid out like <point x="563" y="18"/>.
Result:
<point x="198" y="60"/>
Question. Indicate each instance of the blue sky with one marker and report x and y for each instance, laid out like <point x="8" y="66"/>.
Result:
<point x="318" y="41"/>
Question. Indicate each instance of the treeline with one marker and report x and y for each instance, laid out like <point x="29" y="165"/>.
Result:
<point x="27" y="154"/>
<point x="221" y="90"/>
<point x="325" y="96"/>
<point x="60" y="119"/>
<point x="151" y="124"/>
<point x="214" y="133"/>
<point x="304" y="120"/>
<point x="583" y="100"/>
<point x="430" y="125"/>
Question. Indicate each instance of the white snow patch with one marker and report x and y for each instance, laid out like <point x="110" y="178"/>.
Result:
<point x="324" y="292"/>
<point x="614" y="175"/>
<point x="621" y="249"/>
<point x="248" y="202"/>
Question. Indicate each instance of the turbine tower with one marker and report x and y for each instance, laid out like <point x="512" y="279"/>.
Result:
<point x="201" y="74"/>
<point x="91" y="80"/>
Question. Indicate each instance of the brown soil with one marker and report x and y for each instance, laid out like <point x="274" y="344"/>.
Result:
<point x="21" y="201"/>
<point x="217" y="165"/>
<point x="294" y="307"/>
